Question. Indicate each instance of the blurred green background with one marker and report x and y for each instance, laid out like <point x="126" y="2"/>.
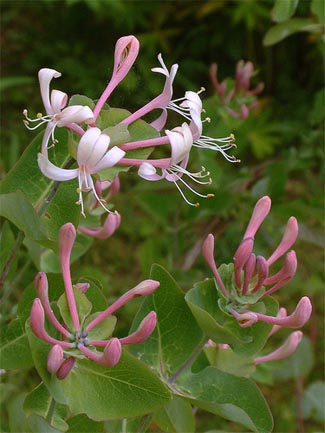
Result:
<point x="280" y="145"/>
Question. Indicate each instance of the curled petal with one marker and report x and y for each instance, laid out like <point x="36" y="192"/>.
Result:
<point x="261" y="210"/>
<point x="53" y="172"/>
<point x="87" y="145"/>
<point x="245" y="320"/>
<point x="287" y="349"/>
<point x="148" y="171"/>
<point x="288" y="239"/>
<point x="55" y="358"/>
<point x="58" y="100"/>
<point x="111" y="158"/>
<point x="208" y="254"/>
<point x="144" y="331"/>
<point x="75" y="114"/>
<point x="45" y="76"/>
<point x="65" y="368"/>
<point x="181" y="141"/>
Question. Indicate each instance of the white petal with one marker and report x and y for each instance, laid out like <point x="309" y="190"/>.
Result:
<point x="75" y="114"/>
<point x="86" y="145"/>
<point x="181" y="141"/>
<point x="99" y="150"/>
<point x="111" y="158"/>
<point x="53" y="172"/>
<point x="148" y="171"/>
<point x="58" y="100"/>
<point x="45" y="76"/>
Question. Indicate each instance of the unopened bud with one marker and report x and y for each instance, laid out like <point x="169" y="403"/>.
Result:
<point x="55" y="359"/>
<point x="112" y="352"/>
<point x="65" y="368"/>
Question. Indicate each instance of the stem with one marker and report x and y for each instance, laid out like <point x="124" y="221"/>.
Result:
<point x="11" y="258"/>
<point x="50" y="412"/>
<point x="300" y="390"/>
<point x="145" y="422"/>
<point x="189" y="360"/>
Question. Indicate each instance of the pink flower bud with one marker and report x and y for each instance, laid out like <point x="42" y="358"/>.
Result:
<point x="284" y="275"/>
<point x="67" y="236"/>
<point x="249" y="269"/>
<point x="112" y="353"/>
<point x="260" y="212"/>
<point x="110" y="225"/>
<point x="55" y="358"/>
<point x="41" y="285"/>
<point x="241" y="256"/>
<point x="126" y="51"/>
<point x="145" y="329"/>
<point x="65" y="368"/>
<point x="145" y="288"/>
<point x="207" y="253"/>
<point x="262" y="270"/>
<point x="288" y="239"/>
<point x="297" y="319"/>
<point x="283" y="351"/>
<point x="83" y="287"/>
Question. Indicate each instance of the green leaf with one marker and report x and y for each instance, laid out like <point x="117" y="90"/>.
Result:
<point x="7" y="241"/>
<point x="84" y="307"/>
<point x="82" y="424"/>
<point x="118" y="134"/>
<point x="284" y="29"/>
<point x="283" y="10"/>
<point x="14" y="349"/>
<point x="230" y="362"/>
<point x="176" y="336"/>
<point x="313" y="402"/>
<point x="81" y="100"/>
<point x="27" y="178"/>
<point x="129" y="389"/>
<point x="39" y="402"/>
<point x="13" y="206"/>
<point x="103" y="330"/>
<point x="176" y="417"/>
<point x="40" y="425"/>
<point x="235" y="398"/>
<point x="317" y="8"/>
<point x="299" y="364"/>
<point x="203" y="299"/>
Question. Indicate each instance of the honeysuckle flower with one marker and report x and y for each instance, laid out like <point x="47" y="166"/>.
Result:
<point x="92" y="156"/>
<point x="61" y="358"/>
<point x="57" y="114"/>
<point x="126" y="51"/>
<point x="190" y="107"/>
<point x="251" y="274"/>
<point x="240" y="99"/>
<point x="181" y="141"/>
<point x="111" y="224"/>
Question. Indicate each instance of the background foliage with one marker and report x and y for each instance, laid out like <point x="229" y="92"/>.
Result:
<point x="279" y="144"/>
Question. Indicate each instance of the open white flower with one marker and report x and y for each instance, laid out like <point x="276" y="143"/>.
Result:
<point x="56" y="114"/>
<point x="92" y="157"/>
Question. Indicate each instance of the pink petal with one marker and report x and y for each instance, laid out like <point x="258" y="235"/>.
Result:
<point x="45" y="76"/>
<point x="53" y="172"/>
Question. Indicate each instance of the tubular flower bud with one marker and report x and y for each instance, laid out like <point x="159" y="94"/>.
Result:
<point x="207" y="252"/>
<point x="111" y="224"/>
<point x="112" y="352"/>
<point x="65" y="368"/>
<point x="287" y="349"/>
<point x="144" y="331"/>
<point x="55" y="358"/>
<point x="126" y="52"/>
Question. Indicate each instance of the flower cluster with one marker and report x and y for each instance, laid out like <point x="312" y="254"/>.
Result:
<point x="239" y="100"/>
<point x="80" y="332"/>
<point x="94" y="151"/>
<point x="251" y="281"/>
